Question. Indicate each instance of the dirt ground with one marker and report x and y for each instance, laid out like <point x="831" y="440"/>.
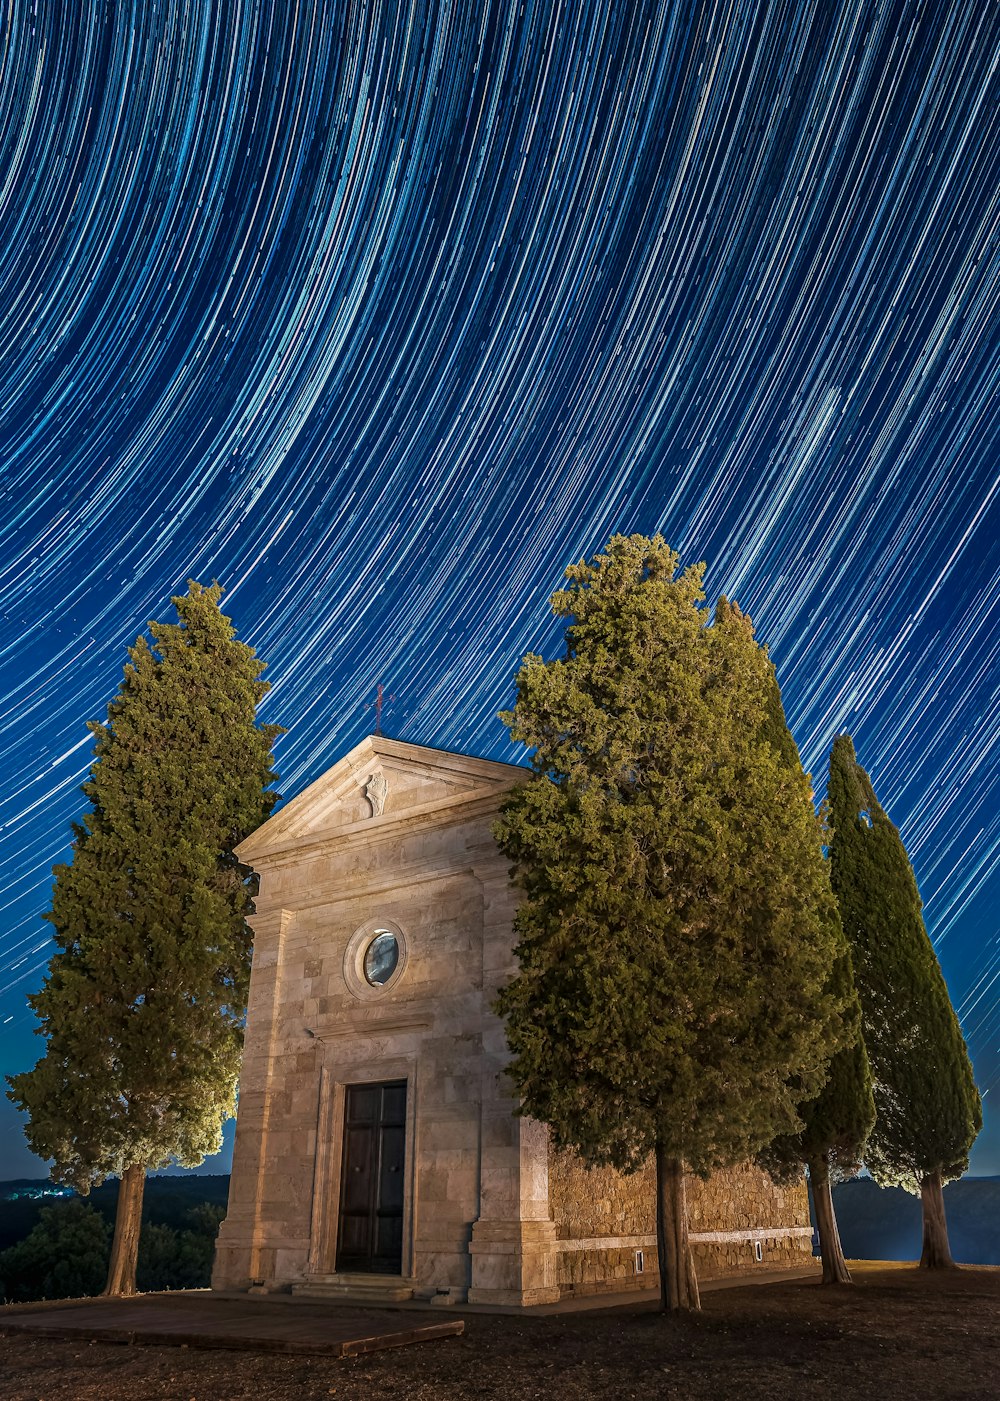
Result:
<point x="898" y="1335"/>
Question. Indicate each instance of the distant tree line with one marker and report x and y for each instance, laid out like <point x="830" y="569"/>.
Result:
<point x="883" y="1223"/>
<point x="167" y="1201"/>
<point x="67" y="1251"/>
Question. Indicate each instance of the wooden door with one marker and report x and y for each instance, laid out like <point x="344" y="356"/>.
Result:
<point x="370" y="1232"/>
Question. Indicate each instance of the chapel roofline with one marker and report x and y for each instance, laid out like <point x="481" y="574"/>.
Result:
<point x="303" y="820"/>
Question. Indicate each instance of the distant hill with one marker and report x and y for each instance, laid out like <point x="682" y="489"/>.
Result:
<point x="167" y="1201"/>
<point x="875" y="1223"/>
<point x="883" y="1223"/>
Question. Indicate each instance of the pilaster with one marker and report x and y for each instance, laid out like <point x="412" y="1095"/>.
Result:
<point x="239" y="1249"/>
<point x="513" y="1245"/>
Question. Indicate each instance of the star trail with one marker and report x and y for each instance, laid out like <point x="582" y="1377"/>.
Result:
<point x="381" y="313"/>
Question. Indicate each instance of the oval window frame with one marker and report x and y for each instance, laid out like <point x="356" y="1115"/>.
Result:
<point x="354" y="959"/>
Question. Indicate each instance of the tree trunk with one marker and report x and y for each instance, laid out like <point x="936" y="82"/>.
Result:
<point x="128" y="1220"/>
<point x="678" y="1283"/>
<point x="835" y="1269"/>
<point x="936" y="1252"/>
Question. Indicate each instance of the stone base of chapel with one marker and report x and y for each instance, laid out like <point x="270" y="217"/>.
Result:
<point x="514" y="1262"/>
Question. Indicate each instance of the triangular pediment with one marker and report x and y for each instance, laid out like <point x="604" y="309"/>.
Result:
<point x="379" y="781"/>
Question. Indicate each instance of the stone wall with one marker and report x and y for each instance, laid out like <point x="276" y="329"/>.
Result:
<point x="744" y="1199"/>
<point x="603" y="1218"/>
<point x="309" y="1037"/>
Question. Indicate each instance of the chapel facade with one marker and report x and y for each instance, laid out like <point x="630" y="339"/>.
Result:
<point x="377" y="1149"/>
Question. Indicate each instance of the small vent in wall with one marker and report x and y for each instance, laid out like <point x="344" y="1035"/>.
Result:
<point x="639" y="1262"/>
<point x="758" y="1250"/>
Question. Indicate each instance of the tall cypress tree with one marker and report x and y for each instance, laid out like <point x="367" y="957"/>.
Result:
<point x="143" y="1002"/>
<point x="675" y="932"/>
<point x="928" y="1108"/>
<point x="837" y="1121"/>
<point x="835" y="1125"/>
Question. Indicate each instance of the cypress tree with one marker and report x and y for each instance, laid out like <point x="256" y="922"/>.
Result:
<point x="675" y="932"/>
<point x="143" y="1002"/>
<point x="837" y="1121"/>
<point x="928" y="1108"/>
<point x="835" y="1125"/>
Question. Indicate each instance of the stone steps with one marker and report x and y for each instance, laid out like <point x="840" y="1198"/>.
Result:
<point x="356" y="1289"/>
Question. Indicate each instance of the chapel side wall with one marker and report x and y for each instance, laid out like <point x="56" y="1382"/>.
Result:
<point x="744" y="1198"/>
<point x="603" y="1217"/>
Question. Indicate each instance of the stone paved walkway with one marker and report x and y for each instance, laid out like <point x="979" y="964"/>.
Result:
<point x="196" y="1318"/>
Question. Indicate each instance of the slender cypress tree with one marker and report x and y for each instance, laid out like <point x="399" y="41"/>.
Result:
<point x="835" y="1126"/>
<point x="143" y="1003"/>
<point x="675" y="935"/>
<point x="836" y="1122"/>
<point x="928" y="1108"/>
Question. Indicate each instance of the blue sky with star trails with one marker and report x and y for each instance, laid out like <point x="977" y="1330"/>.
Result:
<point x="383" y="313"/>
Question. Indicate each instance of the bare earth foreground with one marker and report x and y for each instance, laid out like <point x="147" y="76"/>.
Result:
<point x="899" y="1334"/>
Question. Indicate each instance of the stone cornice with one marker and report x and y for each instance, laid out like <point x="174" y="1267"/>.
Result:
<point x="356" y="1023"/>
<point x="370" y="830"/>
<point x="381" y="882"/>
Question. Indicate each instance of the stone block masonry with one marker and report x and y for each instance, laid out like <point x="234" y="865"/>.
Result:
<point x="603" y="1218"/>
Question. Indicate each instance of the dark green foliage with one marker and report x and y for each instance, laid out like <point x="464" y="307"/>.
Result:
<point x="168" y="1200"/>
<point x="836" y="1122"/>
<point x="676" y="930"/>
<point x="143" y="1004"/>
<point x="171" y="1259"/>
<point x="64" y="1256"/>
<point x="18" y="1216"/>
<point x="928" y="1108"/>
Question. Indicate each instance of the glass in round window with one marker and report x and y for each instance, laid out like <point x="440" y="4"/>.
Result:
<point x="381" y="957"/>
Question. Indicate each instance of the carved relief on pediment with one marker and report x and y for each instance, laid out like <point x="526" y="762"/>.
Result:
<point x="375" y="791"/>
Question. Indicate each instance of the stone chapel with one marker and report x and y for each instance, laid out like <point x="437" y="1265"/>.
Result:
<point x="377" y="1152"/>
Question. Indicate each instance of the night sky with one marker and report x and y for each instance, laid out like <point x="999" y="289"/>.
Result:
<point x="381" y="314"/>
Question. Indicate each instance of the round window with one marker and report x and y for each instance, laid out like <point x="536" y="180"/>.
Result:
<point x="381" y="957"/>
<point x="375" y="958"/>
